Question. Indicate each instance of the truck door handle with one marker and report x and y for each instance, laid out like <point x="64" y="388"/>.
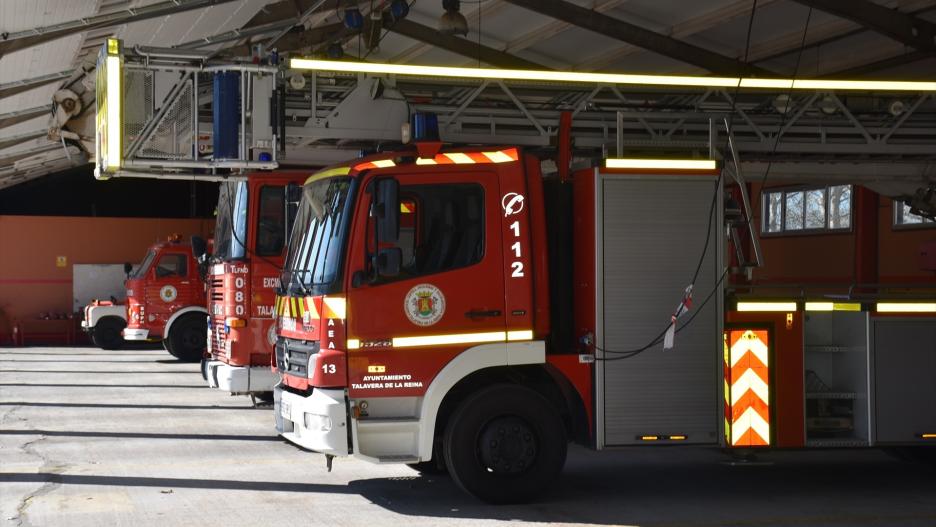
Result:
<point x="483" y="314"/>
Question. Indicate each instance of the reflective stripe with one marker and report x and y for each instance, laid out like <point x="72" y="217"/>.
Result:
<point x="338" y="171"/>
<point x="459" y="158"/>
<point x="747" y="399"/>
<point x="467" y="158"/>
<point x="334" y="307"/>
<point x="454" y="338"/>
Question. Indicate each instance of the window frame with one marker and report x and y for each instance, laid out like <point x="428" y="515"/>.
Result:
<point x="898" y="207"/>
<point x="257" y="230"/>
<point x="419" y="231"/>
<point x="805" y="189"/>
<point x="182" y="257"/>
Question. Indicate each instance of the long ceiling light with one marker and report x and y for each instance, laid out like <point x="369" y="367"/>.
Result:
<point x="666" y="164"/>
<point x="609" y="78"/>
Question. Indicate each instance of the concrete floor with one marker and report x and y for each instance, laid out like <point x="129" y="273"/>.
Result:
<point x="89" y="437"/>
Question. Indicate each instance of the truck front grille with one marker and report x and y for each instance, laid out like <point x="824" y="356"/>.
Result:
<point x="292" y="356"/>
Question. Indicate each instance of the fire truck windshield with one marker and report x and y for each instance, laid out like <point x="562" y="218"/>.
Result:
<point x="317" y="239"/>
<point x="231" y="224"/>
<point x="144" y="265"/>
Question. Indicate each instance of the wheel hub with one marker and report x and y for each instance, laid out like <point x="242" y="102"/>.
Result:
<point x="507" y="445"/>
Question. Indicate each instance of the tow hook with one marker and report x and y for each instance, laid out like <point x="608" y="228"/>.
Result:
<point x="328" y="461"/>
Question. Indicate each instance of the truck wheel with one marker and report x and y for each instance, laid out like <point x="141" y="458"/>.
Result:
<point x="187" y="338"/>
<point x="505" y="444"/>
<point x="428" y="468"/>
<point x="106" y="333"/>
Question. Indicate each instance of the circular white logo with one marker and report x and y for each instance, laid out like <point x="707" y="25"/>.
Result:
<point x="424" y="305"/>
<point x="168" y="293"/>
<point x="512" y="203"/>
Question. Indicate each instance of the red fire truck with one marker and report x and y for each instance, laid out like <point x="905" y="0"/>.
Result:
<point x="243" y="274"/>
<point x="457" y="310"/>
<point x="166" y="300"/>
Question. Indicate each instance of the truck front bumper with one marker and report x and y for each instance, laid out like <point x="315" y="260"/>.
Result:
<point x="318" y="422"/>
<point x="135" y="334"/>
<point x="84" y="325"/>
<point x="239" y="379"/>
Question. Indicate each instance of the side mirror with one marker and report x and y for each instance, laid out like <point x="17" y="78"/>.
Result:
<point x="128" y="267"/>
<point x="388" y="262"/>
<point x="387" y="210"/>
<point x="199" y="248"/>
<point x="293" y="194"/>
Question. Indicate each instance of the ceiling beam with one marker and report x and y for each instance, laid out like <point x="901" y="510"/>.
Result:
<point x="34" y="37"/>
<point x="889" y="62"/>
<point x="12" y="88"/>
<point x="7" y="142"/>
<point x="19" y="116"/>
<point x="680" y="30"/>
<point x="906" y="29"/>
<point x="458" y="45"/>
<point x="638" y="36"/>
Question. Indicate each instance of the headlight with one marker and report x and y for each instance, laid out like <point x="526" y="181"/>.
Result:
<point x="321" y="423"/>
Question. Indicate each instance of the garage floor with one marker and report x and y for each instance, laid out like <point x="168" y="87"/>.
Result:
<point x="89" y="437"/>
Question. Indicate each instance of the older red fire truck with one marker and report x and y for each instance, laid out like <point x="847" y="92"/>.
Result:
<point x="243" y="273"/>
<point x="166" y="300"/>
<point x="457" y="308"/>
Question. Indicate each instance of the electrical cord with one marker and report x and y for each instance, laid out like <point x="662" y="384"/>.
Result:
<point x="711" y="215"/>
<point x="659" y="338"/>
<point x="625" y="354"/>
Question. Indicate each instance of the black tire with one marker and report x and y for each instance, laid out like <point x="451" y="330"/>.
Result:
<point x="505" y="444"/>
<point x="429" y="468"/>
<point x="106" y="333"/>
<point x="264" y="397"/>
<point x="187" y="337"/>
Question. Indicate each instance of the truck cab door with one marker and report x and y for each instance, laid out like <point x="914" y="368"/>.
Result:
<point x="449" y="295"/>
<point x="170" y="283"/>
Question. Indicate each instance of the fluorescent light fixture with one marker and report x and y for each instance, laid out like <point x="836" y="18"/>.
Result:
<point x="665" y="164"/>
<point x="114" y="153"/>
<point x="906" y="307"/>
<point x="833" y="306"/>
<point x="767" y="306"/>
<point x="607" y="78"/>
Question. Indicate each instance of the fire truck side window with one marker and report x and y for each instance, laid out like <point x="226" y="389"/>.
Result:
<point x="271" y="227"/>
<point x="172" y="265"/>
<point x="441" y="227"/>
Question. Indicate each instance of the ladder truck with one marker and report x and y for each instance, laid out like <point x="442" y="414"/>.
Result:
<point x="166" y="300"/>
<point x="456" y="309"/>
<point x="242" y="275"/>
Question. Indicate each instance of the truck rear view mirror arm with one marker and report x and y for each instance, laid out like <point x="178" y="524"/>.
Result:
<point x="387" y="210"/>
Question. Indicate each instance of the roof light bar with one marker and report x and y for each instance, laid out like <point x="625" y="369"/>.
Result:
<point x="665" y="164"/>
<point x="906" y="307"/>
<point x="767" y="306"/>
<point x="608" y="78"/>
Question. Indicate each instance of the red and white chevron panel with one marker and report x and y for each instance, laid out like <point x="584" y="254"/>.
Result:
<point x="748" y="381"/>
